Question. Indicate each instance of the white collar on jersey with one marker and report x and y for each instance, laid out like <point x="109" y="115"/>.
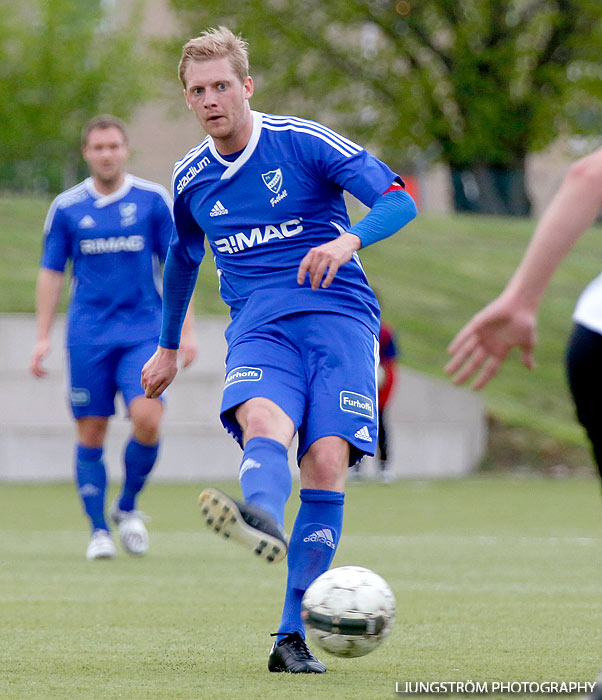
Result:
<point x="102" y="200"/>
<point x="233" y="167"/>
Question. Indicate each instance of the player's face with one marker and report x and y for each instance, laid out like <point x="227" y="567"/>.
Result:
<point x="106" y="153"/>
<point x="220" y="102"/>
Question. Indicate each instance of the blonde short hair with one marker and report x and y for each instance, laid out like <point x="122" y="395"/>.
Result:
<point x="216" y="43"/>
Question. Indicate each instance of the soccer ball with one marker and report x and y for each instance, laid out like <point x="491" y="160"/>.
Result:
<point x="348" y="611"/>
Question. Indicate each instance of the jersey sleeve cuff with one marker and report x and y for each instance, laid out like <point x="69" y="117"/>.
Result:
<point x="391" y="212"/>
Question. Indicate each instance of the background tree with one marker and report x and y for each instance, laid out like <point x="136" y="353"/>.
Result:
<point x="61" y="62"/>
<point x="478" y="84"/>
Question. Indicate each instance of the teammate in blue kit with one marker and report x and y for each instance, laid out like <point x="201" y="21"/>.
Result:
<point x="266" y="192"/>
<point x="115" y="228"/>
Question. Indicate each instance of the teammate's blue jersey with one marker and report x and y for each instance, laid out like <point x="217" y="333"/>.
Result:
<point x="263" y="209"/>
<point x="116" y="243"/>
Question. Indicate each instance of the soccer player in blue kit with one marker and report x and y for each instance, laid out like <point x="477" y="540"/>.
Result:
<point x="267" y="193"/>
<point x="115" y="228"/>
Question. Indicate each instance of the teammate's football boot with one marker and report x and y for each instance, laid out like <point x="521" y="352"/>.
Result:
<point x="385" y="473"/>
<point x="101" y="546"/>
<point x="245" y="523"/>
<point x="292" y="655"/>
<point x="133" y="534"/>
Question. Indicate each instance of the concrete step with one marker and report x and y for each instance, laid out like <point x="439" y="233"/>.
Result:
<point x="436" y="429"/>
<point x="189" y="452"/>
<point x="191" y="397"/>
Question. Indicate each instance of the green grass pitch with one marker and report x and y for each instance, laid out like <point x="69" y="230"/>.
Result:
<point x="495" y="579"/>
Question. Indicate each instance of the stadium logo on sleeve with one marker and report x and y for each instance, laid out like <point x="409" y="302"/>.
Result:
<point x="191" y="173"/>
<point x="357" y="403"/>
<point x="243" y="374"/>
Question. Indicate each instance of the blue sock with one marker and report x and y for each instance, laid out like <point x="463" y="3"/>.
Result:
<point x="265" y="477"/>
<point x="91" y="479"/>
<point x="139" y="460"/>
<point x="311" y="550"/>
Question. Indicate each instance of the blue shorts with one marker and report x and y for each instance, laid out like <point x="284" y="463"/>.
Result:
<point x="98" y="372"/>
<point x="320" y="368"/>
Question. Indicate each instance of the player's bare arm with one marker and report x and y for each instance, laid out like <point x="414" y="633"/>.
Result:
<point x="159" y="372"/>
<point x="322" y="262"/>
<point x="510" y="320"/>
<point x="48" y="293"/>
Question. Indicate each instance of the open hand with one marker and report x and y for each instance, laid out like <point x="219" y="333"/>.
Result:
<point x="485" y="341"/>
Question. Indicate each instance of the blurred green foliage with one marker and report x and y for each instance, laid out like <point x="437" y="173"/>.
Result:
<point x="478" y="80"/>
<point x="61" y="62"/>
<point x="478" y="84"/>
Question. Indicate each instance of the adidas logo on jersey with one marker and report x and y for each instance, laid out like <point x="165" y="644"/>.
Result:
<point x="87" y="222"/>
<point x="363" y="434"/>
<point x="218" y="209"/>
<point x="322" y="537"/>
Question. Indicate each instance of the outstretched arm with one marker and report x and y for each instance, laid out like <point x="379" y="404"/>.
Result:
<point x="510" y="320"/>
<point x="48" y="293"/>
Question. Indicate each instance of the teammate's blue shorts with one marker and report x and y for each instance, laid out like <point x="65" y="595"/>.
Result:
<point x="98" y="372"/>
<point x="320" y="368"/>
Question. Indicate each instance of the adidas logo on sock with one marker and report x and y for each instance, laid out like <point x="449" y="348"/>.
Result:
<point x="363" y="434"/>
<point x="87" y="490"/>
<point x="218" y="209"/>
<point x="246" y="465"/>
<point x="321" y="536"/>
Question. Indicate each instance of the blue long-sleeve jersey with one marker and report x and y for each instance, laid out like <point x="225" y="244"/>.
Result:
<point x="116" y="243"/>
<point x="261" y="210"/>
